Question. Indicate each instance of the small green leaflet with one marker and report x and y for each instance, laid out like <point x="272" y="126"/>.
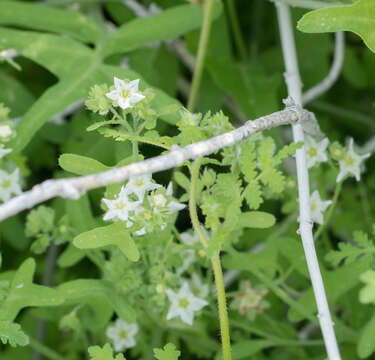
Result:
<point x="358" y="18"/>
<point x="350" y="252"/>
<point x="168" y="353"/>
<point x="114" y="234"/>
<point x="104" y="353"/>
<point x="366" y="343"/>
<point x="367" y="294"/>
<point x="11" y="333"/>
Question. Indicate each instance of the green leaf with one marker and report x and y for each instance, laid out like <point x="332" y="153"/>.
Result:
<point x="358" y="18"/>
<point x="248" y="348"/>
<point x="23" y="293"/>
<point x="349" y="252"/>
<point x="169" y="24"/>
<point x="101" y="296"/>
<point x="11" y="333"/>
<point x="169" y="352"/>
<point x="40" y="17"/>
<point x="81" y="165"/>
<point x="253" y="195"/>
<point x="115" y="234"/>
<point x="337" y="283"/>
<point x="256" y="220"/>
<point x="367" y="294"/>
<point x="104" y="353"/>
<point x="77" y="67"/>
<point x="366" y="343"/>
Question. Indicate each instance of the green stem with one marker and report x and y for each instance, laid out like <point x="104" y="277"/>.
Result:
<point x="237" y="35"/>
<point x="330" y="211"/>
<point x="218" y="272"/>
<point x="222" y="304"/>
<point x="202" y="50"/>
<point x="45" y="350"/>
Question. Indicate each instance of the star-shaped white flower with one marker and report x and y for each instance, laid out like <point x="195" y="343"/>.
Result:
<point x="122" y="334"/>
<point x="317" y="207"/>
<point x="173" y="205"/>
<point x="315" y="151"/>
<point x="140" y="184"/>
<point x="125" y="94"/>
<point x="4" y="151"/>
<point x="351" y="163"/>
<point x="9" y="184"/>
<point x="120" y="207"/>
<point x="184" y="304"/>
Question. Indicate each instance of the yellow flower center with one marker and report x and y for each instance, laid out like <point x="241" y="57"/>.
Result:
<point x="349" y="160"/>
<point x="120" y="205"/>
<point x="183" y="303"/>
<point x="123" y="334"/>
<point x="312" y="152"/>
<point x="125" y="93"/>
<point x="139" y="182"/>
<point x="6" y="184"/>
<point x="313" y="206"/>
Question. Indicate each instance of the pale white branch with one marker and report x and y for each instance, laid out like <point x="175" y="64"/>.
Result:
<point x="334" y="73"/>
<point x="73" y="188"/>
<point x="293" y="81"/>
<point x="308" y="4"/>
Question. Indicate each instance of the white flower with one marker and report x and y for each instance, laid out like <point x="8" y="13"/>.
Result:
<point x="188" y="238"/>
<point x="126" y="94"/>
<point x="199" y="288"/>
<point x="351" y="163"/>
<point x="120" y="207"/>
<point x="173" y="206"/>
<point x="8" y="54"/>
<point x="5" y="131"/>
<point x="188" y="258"/>
<point x="4" y="151"/>
<point x="9" y="184"/>
<point x="140" y="184"/>
<point x="184" y="304"/>
<point x="122" y="334"/>
<point x="317" y="207"/>
<point x="315" y="151"/>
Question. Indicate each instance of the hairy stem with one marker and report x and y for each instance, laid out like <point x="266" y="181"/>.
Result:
<point x="330" y="211"/>
<point x="237" y="35"/>
<point x="222" y="305"/>
<point x="202" y="50"/>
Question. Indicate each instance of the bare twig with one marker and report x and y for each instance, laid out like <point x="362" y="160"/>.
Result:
<point x="294" y="85"/>
<point x="308" y="4"/>
<point x="334" y="73"/>
<point x="73" y="188"/>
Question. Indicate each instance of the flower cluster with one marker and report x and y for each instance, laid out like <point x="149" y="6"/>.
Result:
<point x="145" y="212"/>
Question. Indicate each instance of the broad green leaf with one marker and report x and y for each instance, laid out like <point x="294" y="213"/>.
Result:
<point x="336" y="282"/>
<point x="358" y="18"/>
<point x="256" y="220"/>
<point x="77" y="67"/>
<point x="23" y="293"/>
<point x="115" y="234"/>
<point x="252" y="89"/>
<point x="81" y="165"/>
<point x="100" y="295"/>
<point x="40" y="17"/>
<point x="169" y="352"/>
<point x="11" y="333"/>
<point x="169" y="24"/>
<point x="14" y="95"/>
<point x="366" y="343"/>
<point x="247" y="348"/>
<point x="104" y="353"/>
